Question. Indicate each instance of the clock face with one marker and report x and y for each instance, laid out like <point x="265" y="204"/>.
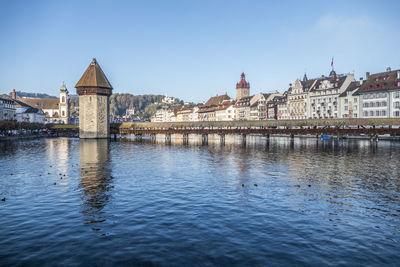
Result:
<point x="245" y="92"/>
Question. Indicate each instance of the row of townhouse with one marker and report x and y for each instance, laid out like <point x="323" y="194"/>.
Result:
<point x="223" y="108"/>
<point x="341" y="96"/>
<point x="326" y="97"/>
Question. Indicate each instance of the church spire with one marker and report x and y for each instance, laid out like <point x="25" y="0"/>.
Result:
<point x="305" y="77"/>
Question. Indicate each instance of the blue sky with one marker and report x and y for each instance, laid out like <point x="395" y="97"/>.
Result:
<point x="193" y="49"/>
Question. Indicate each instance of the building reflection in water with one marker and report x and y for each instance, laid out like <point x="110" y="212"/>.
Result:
<point x="96" y="179"/>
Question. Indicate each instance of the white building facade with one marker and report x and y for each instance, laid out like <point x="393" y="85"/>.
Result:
<point x="324" y="95"/>
<point x="380" y="95"/>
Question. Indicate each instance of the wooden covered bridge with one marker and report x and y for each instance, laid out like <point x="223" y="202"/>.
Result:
<point x="371" y="128"/>
<point x="333" y="127"/>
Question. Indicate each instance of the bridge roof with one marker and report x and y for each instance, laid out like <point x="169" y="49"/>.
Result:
<point x="269" y="123"/>
<point x="94" y="77"/>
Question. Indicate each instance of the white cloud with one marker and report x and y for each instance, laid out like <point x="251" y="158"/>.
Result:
<point x="361" y="24"/>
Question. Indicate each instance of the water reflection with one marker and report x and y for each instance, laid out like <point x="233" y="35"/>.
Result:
<point x="96" y="179"/>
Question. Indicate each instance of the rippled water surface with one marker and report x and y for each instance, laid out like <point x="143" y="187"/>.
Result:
<point x="70" y="202"/>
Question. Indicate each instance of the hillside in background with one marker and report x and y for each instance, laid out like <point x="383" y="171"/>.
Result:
<point x="33" y="95"/>
<point x="145" y="105"/>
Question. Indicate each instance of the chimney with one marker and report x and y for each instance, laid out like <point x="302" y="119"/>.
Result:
<point x="361" y="80"/>
<point x="367" y="75"/>
<point x="388" y="69"/>
<point x="14" y="94"/>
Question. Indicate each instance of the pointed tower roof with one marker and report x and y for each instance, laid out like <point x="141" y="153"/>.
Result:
<point x="94" y="77"/>
<point x="63" y="88"/>
<point x="243" y="83"/>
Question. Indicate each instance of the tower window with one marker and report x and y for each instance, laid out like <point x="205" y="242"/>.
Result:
<point x="63" y="99"/>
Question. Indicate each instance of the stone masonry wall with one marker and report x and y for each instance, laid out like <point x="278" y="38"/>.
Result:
<point x="93" y="116"/>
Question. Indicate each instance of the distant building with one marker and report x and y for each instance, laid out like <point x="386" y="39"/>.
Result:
<point x="282" y="107"/>
<point x="188" y="113"/>
<point x="297" y="98"/>
<point x="64" y="104"/>
<point x="207" y="112"/>
<point x="225" y="111"/>
<point x="27" y="113"/>
<point x="163" y="115"/>
<point x="168" y="100"/>
<point x="7" y="109"/>
<point x="242" y="108"/>
<point x="380" y="95"/>
<point x="349" y="101"/>
<point x="242" y="87"/>
<point x="324" y="95"/>
<point x="272" y="107"/>
<point x="56" y="110"/>
<point x="259" y="105"/>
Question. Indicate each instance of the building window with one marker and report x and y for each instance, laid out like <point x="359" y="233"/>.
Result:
<point x="383" y="113"/>
<point x="371" y="113"/>
<point x="346" y="108"/>
<point x="63" y="99"/>
<point x="396" y="113"/>
<point x="384" y="104"/>
<point x="355" y="100"/>
<point x="346" y="101"/>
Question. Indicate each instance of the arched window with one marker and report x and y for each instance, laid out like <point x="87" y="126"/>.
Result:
<point x="63" y="99"/>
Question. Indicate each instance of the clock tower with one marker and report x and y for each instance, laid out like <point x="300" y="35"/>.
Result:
<point x="242" y="87"/>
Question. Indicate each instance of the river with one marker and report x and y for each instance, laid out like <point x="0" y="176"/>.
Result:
<point x="99" y="202"/>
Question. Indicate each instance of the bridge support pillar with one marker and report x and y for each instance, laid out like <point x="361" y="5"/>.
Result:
<point x="185" y="138"/>
<point x="204" y="139"/>
<point x="374" y="138"/>
<point x="244" y="139"/>
<point x="168" y="138"/>
<point x="291" y="137"/>
<point x="153" y="137"/>
<point x="222" y="139"/>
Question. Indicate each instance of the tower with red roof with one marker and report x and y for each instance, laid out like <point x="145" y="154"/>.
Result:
<point x="242" y="87"/>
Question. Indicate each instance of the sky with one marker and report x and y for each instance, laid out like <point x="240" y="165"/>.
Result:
<point x="193" y="49"/>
